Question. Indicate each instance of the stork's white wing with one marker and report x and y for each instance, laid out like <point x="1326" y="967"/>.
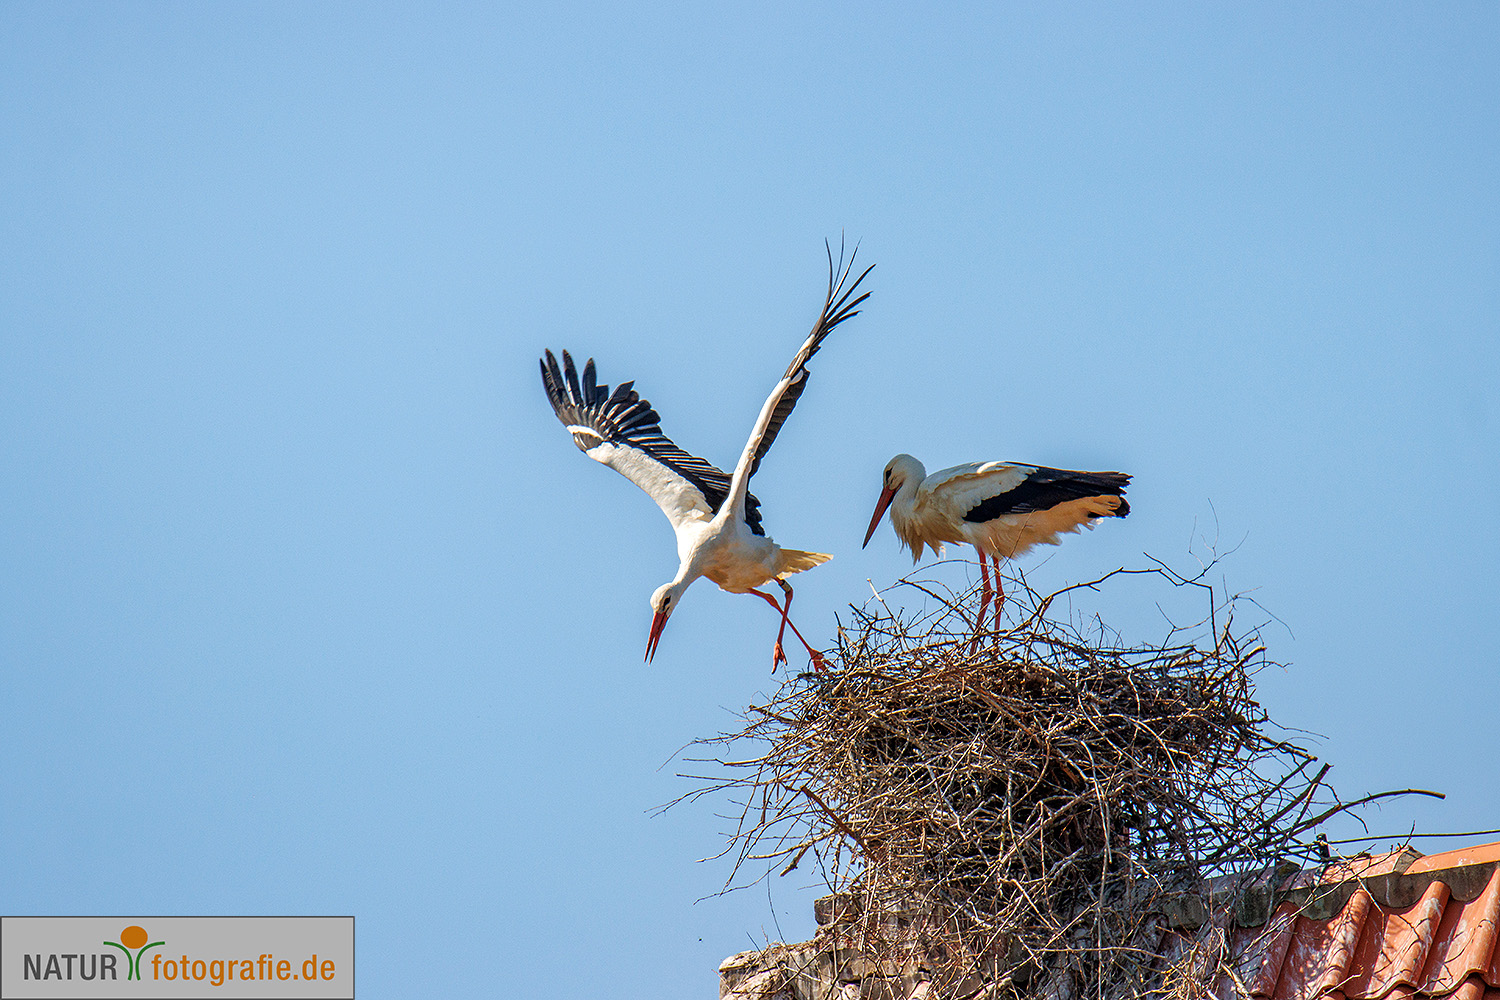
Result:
<point x="957" y="490"/>
<point x="621" y="430"/>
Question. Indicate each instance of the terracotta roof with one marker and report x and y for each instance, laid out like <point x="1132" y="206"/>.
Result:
<point x="1399" y="925"/>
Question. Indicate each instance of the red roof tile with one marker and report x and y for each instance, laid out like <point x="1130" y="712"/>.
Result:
<point x="1262" y="950"/>
<point x="1318" y="958"/>
<point x="1395" y="943"/>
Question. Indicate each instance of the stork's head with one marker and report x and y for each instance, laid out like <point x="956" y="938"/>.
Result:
<point x="900" y="471"/>
<point x="663" y="602"/>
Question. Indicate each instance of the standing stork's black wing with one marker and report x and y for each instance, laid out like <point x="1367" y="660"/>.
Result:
<point x="1045" y="488"/>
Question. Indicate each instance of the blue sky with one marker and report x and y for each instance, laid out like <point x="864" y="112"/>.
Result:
<point x="308" y="605"/>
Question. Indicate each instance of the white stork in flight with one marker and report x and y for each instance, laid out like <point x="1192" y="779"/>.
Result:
<point x="716" y="518"/>
<point x="1000" y="508"/>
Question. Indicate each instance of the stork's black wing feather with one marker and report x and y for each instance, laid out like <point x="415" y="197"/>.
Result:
<point x="1045" y="488"/>
<point x="603" y="422"/>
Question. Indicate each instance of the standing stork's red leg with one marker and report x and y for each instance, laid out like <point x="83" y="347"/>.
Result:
<point x="984" y="591"/>
<point x="778" y="655"/>
<point x="999" y="594"/>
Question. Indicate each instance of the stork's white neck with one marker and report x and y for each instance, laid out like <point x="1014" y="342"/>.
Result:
<point x="907" y="473"/>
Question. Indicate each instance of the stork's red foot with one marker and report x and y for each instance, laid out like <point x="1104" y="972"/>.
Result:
<point x="819" y="664"/>
<point x="778" y="657"/>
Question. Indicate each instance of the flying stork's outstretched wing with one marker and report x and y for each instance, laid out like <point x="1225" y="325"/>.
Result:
<point x="838" y="305"/>
<point x="621" y="430"/>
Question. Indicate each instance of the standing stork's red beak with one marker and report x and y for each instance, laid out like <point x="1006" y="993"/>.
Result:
<point x="658" y="626"/>
<point x="886" y="496"/>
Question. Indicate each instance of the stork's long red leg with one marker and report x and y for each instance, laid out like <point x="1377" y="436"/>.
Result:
<point x="778" y="655"/>
<point x="999" y="594"/>
<point x="812" y="654"/>
<point x="786" y="610"/>
<point x="984" y="598"/>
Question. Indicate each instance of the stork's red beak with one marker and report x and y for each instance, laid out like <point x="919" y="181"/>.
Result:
<point x="658" y="626"/>
<point x="886" y="496"/>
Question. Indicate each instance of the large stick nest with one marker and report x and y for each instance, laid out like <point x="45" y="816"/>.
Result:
<point x="1015" y="804"/>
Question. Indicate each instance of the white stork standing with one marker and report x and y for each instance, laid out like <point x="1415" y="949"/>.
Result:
<point x="1000" y="508"/>
<point x="716" y="518"/>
